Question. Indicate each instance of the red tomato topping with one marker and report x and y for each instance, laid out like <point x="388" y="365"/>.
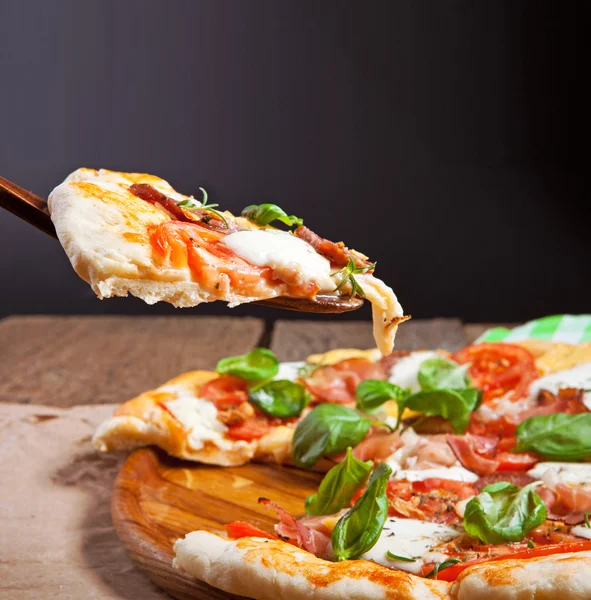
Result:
<point x="516" y="461"/>
<point x="337" y="383"/>
<point x="225" y="391"/>
<point x="252" y="429"/>
<point x="239" y="529"/>
<point x="451" y="573"/>
<point x="499" y="369"/>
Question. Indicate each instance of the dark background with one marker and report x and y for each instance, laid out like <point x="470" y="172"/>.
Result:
<point x="442" y="138"/>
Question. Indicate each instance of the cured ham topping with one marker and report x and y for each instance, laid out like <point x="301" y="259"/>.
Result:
<point x="309" y="533"/>
<point x="337" y="383"/>
<point x="480" y="454"/>
<point x="336" y="252"/>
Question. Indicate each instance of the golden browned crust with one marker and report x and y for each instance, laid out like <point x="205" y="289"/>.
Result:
<point x="268" y="569"/>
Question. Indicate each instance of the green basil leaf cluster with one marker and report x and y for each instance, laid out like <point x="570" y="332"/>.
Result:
<point x="358" y="530"/>
<point x="281" y="398"/>
<point x="372" y="393"/>
<point x="339" y="486"/>
<point x="326" y="430"/>
<point x="503" y="512"/>
<point x="453" y="405"/>
<point x="263" y="214"/>
<point x="438" y="373"/>
<point x="258" y="365"/>
<point x="445" y="392"/>
<point x="556" y="437"/>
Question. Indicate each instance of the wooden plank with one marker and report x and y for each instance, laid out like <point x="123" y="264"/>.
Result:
<point x="294" y="340"/>
<point x="66" y="361"/>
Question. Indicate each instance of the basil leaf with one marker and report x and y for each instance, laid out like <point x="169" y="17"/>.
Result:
<point x="326" y="430"/>
<point x="257" y="365"/>
<point x="281" y="398"/>
<point x="358" y="530"/>
<point x="503" y="512"/>
<point x="453" y="405"/>
<point x="393" y="556"/>
<point x="444" y="564"/>
<point x="372" y="393"/>
<point x="339" y="486"/>
<point x="556" y="437"/>
<point x="438" y="373"/>
<point x="263" y="214"/>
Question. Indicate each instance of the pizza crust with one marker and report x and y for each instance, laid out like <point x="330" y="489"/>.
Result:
<point x="545" y="578"/>
<point x="269" y="570"/>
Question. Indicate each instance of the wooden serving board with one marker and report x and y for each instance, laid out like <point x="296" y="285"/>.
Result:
<point x="158" y="499"/>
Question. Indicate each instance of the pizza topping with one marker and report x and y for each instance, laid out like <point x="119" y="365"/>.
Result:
<point x="327" y="429"/>
<point x="412" y="542"/>
<point x="485" y="454"/>
<point x="251" y="429"/>
<point x="198" y="417"/>
<point x="336" y="252"/>
<point x="191" y="204"/>
<point x="233" y="417"/>
<point x="338" y="383"/>
<point x="263" y="214"/>
<point x="339" y="486"/>
<point x="499" y="369"/>
<point x="358" y="530"/>
<point x="309" y="534"/>
<point x="257" y="365"/>
<point x="432" y="499"/>
<point x="279" y="398"/>
<point x="240" y="529"/>
<point x="557" y="437"/>
<point x="346" y="277"/>
<point x="372" y="393"/>
<point x="225" y="392"/>
<point x="292" y="260"/>
<point x="577" y="378"/>
<point x="503" y="512"/>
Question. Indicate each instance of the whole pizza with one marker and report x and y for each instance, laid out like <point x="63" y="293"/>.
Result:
<point x="448" y="475"/>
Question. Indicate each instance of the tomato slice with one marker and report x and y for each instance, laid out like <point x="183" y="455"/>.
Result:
<point x="499" y="369"/>
<point x="252" y="429"/>
<point x="225" y="391"/>
<point x="240" y="529"/>
<point x="451" y="573"/>
<point x="521" y="461"/>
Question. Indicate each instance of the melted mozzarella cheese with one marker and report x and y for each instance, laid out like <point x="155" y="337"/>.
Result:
<point x="578" y="377"/>
<point x="455" y="473"/>
<point x="198" y="418"/>
<point x="386" y="310"/>
<point x="581" y="531"/>
<point x="563" y="472"/>
<point x="405" y="372"/>
<point x="289" y="370"/>
<point x="286" y="254"/>
<point x="410" y="538"/>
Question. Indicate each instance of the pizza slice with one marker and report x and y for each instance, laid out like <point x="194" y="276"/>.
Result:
<point x="132" y="233"/>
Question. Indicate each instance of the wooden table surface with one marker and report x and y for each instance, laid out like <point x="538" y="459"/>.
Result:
<point x="68" y="361"/>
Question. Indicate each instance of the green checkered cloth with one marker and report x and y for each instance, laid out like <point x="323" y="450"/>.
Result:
<point x="571" y="329"/>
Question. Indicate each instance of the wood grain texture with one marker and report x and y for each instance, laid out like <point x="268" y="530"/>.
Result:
<point x="67" y="361"/>
<point x="157" y="499"/>
<point x="292" y="340"/>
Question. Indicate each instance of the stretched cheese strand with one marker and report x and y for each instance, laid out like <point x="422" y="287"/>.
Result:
<point x="386" y="311"/>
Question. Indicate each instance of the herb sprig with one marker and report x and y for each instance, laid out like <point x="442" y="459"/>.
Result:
<point x="348" y="273"/>
<point x="191" y="204"/>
